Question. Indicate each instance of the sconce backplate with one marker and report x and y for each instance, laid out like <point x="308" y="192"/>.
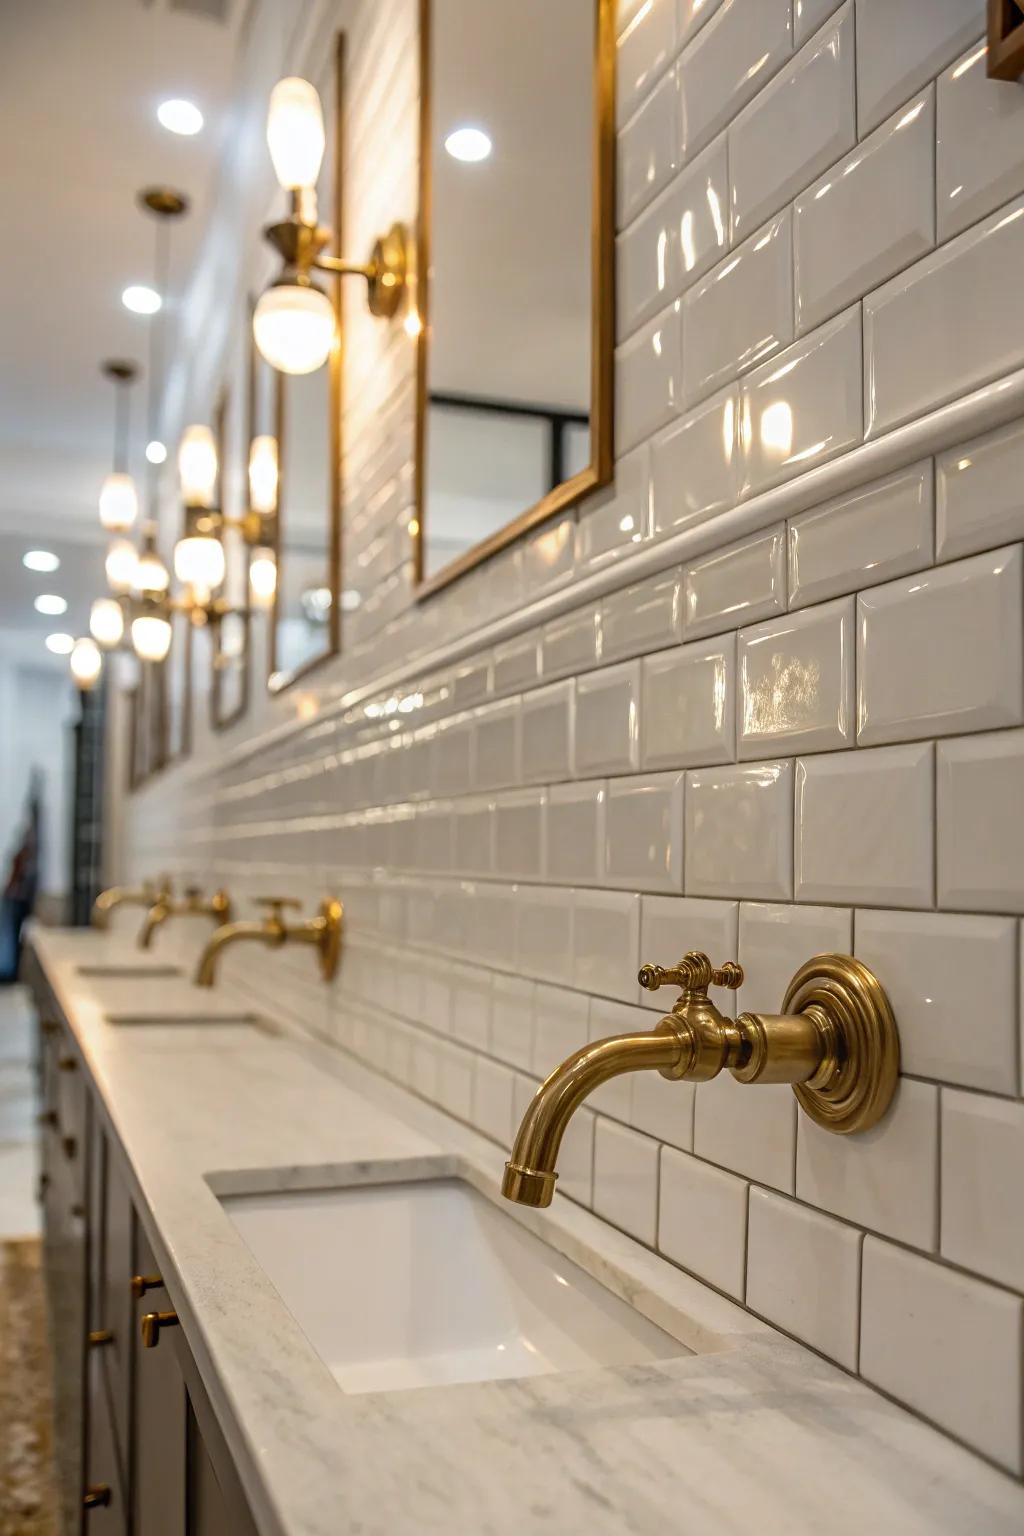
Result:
<point x="850" y="1006"/>
<point x="388" y="264"/>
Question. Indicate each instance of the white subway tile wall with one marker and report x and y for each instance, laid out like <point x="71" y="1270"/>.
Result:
<point x="800" y="732"/>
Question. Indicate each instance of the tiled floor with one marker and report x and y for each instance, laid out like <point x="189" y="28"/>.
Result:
<point x="19" y="1212"/>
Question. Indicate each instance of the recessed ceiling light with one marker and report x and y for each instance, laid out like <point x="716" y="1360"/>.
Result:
<point x="50" y="603"/>
<point x="179" y="116"/>
<point x="40" y="560"/>
<point x="468" y="144"/>
<point x="60" y="645"/>
<point x="156" y="452"/>
<point x="141" y="300"/>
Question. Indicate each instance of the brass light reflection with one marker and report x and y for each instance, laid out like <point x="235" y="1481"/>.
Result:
<point x="835" y="1041"/>
<point x="295" y="321"/>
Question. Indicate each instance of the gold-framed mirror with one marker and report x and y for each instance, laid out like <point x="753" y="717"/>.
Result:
<point x="305" y="629"/>
<point x="515" y="272"/>
<point x="229" y="634"/>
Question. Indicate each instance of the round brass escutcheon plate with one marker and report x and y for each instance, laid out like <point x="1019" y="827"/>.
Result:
<point x="390" y="261"/>
<point x="330" y="938"/>
<point x="164" y="201"/>
<point x="856" y="1085"/>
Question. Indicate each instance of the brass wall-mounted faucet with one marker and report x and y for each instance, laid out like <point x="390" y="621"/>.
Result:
<point x="323" y="931"/>
<point x="835" y="1041"/>
<point x="143" y="895"/>
<point x="192" y="904"/>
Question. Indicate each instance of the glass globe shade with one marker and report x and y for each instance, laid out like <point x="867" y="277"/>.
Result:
<point x="151" y="574"/>
<point x="151" y="637"/>
<point x="294" y="327"/>
<point x="197" y="466"/>
<point x="295" y="132"/>
<point x="86" y="663"/>
<point x="119" y="504"/>
<point x="122" y="559"/>
<point x="263" y="577"/>
<point x="106" y="621"/>
<point x="199" y="562"/>
<point x="263" y="474"/>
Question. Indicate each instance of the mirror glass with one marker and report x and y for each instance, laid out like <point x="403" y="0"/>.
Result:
<point x="306" y="628"/>
<point x="178" y="689"/>
<point x="515" y="262"/>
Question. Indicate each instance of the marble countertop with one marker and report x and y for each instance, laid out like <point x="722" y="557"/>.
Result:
<point x="750" y="1434"/>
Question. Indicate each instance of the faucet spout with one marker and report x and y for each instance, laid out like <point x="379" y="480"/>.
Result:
<point x="119" y="896"/>
<point x="158" y="913"/>
<point x="530" y="1172"/>
<point x="232" y="933"/>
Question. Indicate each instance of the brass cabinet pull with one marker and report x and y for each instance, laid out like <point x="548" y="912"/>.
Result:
<point x="43" y="1186"/>
<point x="96" y="1496"/>
<point x="49" y="1117"/>
<point x="152" y="1322"/>
<point x="70" y="1146"/>
<point x="142" y="1283"/>
<point x="101" y="1336"/>
<point x="68" y="1064"/>
<point x="49" y="1026"/>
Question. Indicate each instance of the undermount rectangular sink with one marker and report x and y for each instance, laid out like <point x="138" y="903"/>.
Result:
<point x="427" y="1283"/>
<point x="184" y="1018"/>
<point x="132" y="969"/>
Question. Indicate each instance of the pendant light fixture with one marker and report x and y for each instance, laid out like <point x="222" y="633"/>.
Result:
<point x="119" y="502"/>
<point x="294" y="322"/>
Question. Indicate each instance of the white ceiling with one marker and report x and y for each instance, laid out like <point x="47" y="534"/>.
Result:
<point x="80" y="81"/>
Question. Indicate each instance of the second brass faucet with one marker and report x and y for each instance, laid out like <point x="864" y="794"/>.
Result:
<point x="323" y="931"/>
<point x="835" y="1041"/>
<point x="192" y="904"/>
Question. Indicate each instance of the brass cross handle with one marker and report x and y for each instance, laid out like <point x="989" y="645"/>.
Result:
<point x="277" y="904"/>
<point x="694" y="973"/>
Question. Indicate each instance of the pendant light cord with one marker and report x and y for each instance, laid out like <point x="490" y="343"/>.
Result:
<point x="161" y="267"/>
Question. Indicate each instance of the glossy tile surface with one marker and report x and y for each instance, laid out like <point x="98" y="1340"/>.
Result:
<point x="980" y="831"/>
<point x="980" y="127"/>
<point x="739" y="831"/>
<point x="741" y="312"/>
<point x="643" y="617"/>
<point x="795" y="682"/>
<point x="688" y="713"/>
<point x="983" y="1149"/>
<point x="737" y="585"/>
<point x="730" y="59"/>
<point x="897" y="52"/>
<point x="648" y="149"/>
<point x="979" y="493"/>
<point x="648" y="379"/>
<point x="695" y="464"/>
<point x="644" y="832"/>
<point x="575" y="832"/>
<point x="702" y="1221"/>
<point x="607" y="721"/>
<point x="803" y="1273"/>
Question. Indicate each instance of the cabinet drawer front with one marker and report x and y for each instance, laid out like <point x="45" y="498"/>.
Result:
<point x="158" y="1417"/>
<point x="102" y="1469"/>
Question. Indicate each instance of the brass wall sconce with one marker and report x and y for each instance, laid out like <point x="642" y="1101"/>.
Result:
<point x="322" y="931"/>
<point x="835" y="1041"/>
<point x="295" y="321"/>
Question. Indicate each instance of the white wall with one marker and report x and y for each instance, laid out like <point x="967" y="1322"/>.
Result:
<point x="766" y="696"/>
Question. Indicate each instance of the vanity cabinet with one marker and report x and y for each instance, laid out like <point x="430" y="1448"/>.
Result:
<point x="139" y="1450"/>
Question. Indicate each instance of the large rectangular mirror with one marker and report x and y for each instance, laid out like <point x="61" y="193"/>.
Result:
<point x="306" y="627"/>
<point x="178" y="689"/>
<point x="229" y="635"/>
<point x="515" y="270"/>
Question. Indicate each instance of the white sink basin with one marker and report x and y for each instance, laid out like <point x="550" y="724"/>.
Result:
<point x="427" y="1283"/>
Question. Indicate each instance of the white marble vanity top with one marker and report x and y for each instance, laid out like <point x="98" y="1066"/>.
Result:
<point x="751" y="1434"/>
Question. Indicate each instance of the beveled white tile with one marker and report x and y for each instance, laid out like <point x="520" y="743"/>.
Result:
<point x="473" y="836"/>
<point x="738" y="838"/>
<point x="613" y="522"/>
<point x="950" y="323"/>
<point x="492" y="1101"/>
<point x="866" y="217"/>
<point x="670" y="926"/>
<point x="516" y="663"/>
<point x="980" y="124"/>
<point x="795" y="682"/>
<point x="729" y="61"/>
<point x="648" y="379"/>
<point x="674" y="241"/>
<point x="947" y="1346"/>
<point x="496" y="745"/>
<point x="805" y="406"/>
<point x="545" y="934"/>
<point x="864" y="827"/>
<point x="688" y="712"/>
<point x="982" y="1178"/>
<point x="915" y="675"/>
<point x="607" y="942"/>
<point x="808" y="16"/>
<point x="979" y="493"/>
<point x="696" y="466"/>
<point x="512" y="999"/>
<point x="607" y="720"/>
<point x="575" y="833"/>
<point x="451" y="756"/>
<point x="753" y="1133"/>
<point x="644" y="48"/>
<point x="471" y="1005"/>
<point x="642" y="617"/>
<point x="547" y="730"/>
<point x="879" y="531"/>
<point x="886" y="1178"/>
<point x="800" y="123"/>
<point x="559" y="1028"/>
<point x="803" y="1273"/>
<point x="980" y="829"/>
<point x="519" y="834"/>
<point x="938" y="970"/>
<point x="896" y="54"/>
<point x="489" y="923"/>
<point x="738" y="585"/>
<point x="626" y="1179"/>
<point x="547" y="556"/>
<point x="702" y="1220"/>
<point x="691" y="16"/>
<point x="643" y="847"/>
<point x="648" y="149"/>
<point x="740" y="313"/>
<point x="775" y="941"/>
<point x="607" y="1018"/>
<point x="455" y="1069"/>
<point x="433" y="836"/>
<point x="471" y="681"/>
<point x="570" y="644"/>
